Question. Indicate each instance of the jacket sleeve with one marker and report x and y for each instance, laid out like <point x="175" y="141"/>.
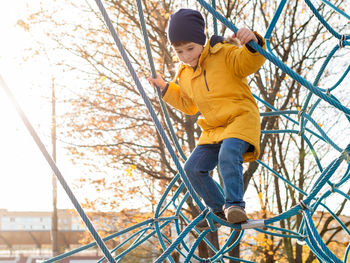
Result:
<point x="179" y="100"/>
<point x="244" y="61"/>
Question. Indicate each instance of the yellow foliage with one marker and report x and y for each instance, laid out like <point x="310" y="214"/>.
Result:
<point x="130" y="169"/>
<point x="166" y="16"/>
<point x="23" y="25"/>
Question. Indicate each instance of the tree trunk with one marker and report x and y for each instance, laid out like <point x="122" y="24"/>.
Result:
<point x="203" y="250"/>
<point x="235" y="252"/>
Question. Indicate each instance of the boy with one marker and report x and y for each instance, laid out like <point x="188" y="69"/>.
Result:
<point x="212" y="80"/>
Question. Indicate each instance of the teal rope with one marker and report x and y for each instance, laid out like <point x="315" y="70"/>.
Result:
<point x="337" y="9"/>
<point x="167" y="252"/>
<point x="215" y="21"/>
<point x="324" y="22"/>
<point x="93" y="244"/>
<point x="313" y="251"/>
<point x="184" y="233"/>
<point x="159" y="206"/>
<point x="148" y="103"/>
<point x="140" y="241"/>
<point x="237" y="241"/>
<point x="281" y="177"/>
<point x="296" y="236"/>
<point x="177" y="249"/>
<point x="154" y="74"/>
<point x="323" y="67"/>
<point x="140" y="232"/>
<point x="326" y="177"/>
<point x="278" y="62"/>
<point x="346" y="254"/>
<point x="317" y="242"/>
<point x="276" y="111"/>
<point x="334" y="215"/>
<point x="274" y="20"/>
<point x="346" y="177"/>
<point x="323" y="179"/>
<point x="238" y="259"/>
<point x="195" y="245"/>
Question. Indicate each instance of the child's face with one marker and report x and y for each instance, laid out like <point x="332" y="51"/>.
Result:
<point x="189" y="53"/>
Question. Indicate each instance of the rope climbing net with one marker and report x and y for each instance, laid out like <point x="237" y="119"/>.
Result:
<point x="154" y="227"/>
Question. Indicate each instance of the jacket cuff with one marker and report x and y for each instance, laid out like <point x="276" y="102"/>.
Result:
<point x="165" y="89"/>
<point x="260" y="42"/>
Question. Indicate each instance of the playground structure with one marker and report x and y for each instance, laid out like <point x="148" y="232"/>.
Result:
<point x="153" y="226"/>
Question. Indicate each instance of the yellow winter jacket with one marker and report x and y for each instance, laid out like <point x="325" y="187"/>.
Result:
<point x="218" y="89"/>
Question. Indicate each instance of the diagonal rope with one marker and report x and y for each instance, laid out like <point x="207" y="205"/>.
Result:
<point x="293" y="211"/>
<point x="154" y="74"/>
<point x="276" y="61"/>
<point x="148" y="104"/>
<point x="57" y="172"/>
<point x="307" y="206"/>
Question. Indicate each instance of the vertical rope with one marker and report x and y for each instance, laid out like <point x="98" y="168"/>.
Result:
<point x="148" y="104"/>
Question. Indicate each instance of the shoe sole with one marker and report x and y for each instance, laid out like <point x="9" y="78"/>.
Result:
<point x="235" y="216"/>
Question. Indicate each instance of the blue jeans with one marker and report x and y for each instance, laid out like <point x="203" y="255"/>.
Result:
<point x="228" y="156"/>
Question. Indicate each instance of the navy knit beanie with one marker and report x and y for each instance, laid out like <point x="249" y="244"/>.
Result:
<point x="186" y="25"/>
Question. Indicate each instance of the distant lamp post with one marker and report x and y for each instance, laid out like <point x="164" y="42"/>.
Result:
<point x="54" y="218"/>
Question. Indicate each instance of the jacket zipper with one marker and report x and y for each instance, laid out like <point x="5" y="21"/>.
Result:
<point x="205" y="79"/>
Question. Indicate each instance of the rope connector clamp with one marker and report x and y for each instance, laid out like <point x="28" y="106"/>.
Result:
<point x="155" y="220"/>
<point x="206" y="212"/>
<point x="301" y="240"/>
<point x="333" y="187"/>
<point x="341" y="41"/>
<point x="303" y="205"/>
<point x="346" y="156"/>
<point x="300" y="113"/>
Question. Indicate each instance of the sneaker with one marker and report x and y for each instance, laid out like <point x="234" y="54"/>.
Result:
<point x="236" y="214"/>
<point x="203" y="224"/>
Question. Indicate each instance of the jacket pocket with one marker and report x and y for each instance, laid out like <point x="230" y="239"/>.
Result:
<point x="205" y="80"/>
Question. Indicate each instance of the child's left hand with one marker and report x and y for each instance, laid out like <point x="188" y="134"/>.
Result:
<point x="245" y="35"/>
